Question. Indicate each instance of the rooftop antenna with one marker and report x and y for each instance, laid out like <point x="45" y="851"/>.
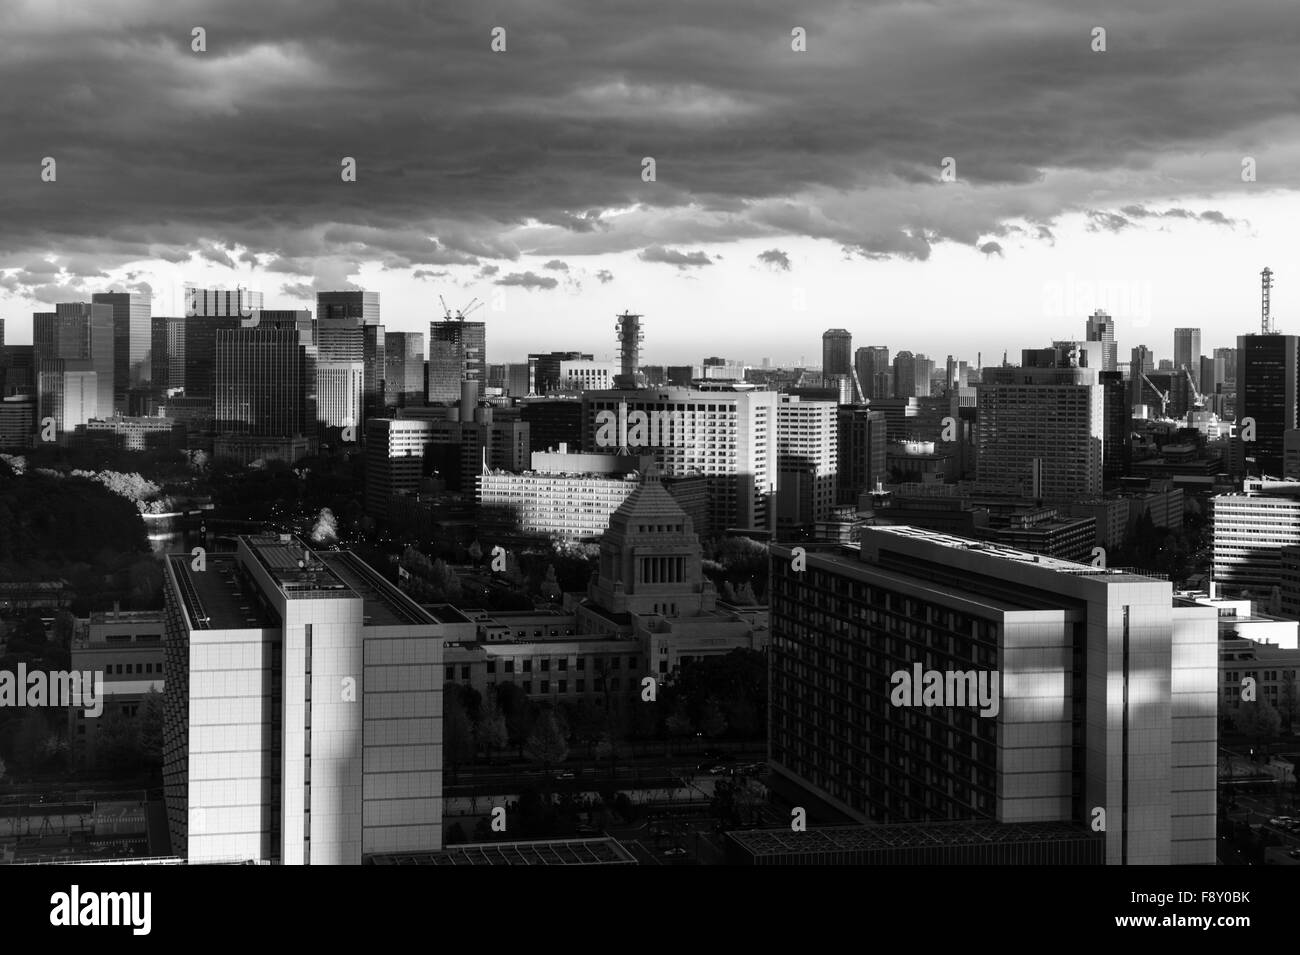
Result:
<point x="1266" y="317"/>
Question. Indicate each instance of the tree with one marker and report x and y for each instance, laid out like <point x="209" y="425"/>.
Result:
<point x="713" y="724"/>
<point x="1289" y="702"/>
<point x="608" y="747"/>
<point x="1258" y="720"/>
<point x="151" y="728"/>
<point x="546" y="743"/>
<point x="117" y="743"/>
<point x="550" y="588"/>
<point x="491" y="731"/>
<point x="457" y="736"/>
<point x="678" y="724"/>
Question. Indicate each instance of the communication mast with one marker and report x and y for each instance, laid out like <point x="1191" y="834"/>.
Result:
<point x="1266" y="316"/>
<point x="628" y="328"/>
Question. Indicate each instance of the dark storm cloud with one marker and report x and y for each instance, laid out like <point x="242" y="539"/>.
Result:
<point x="527" y="280"/>
<point x="776" y="259"/>
<point x="556" y="265"/>
<point x="464" y="155"/>
<point x="657" y="253"/>
<point x="1209" y="215"/>
<point x="991" y="248"/>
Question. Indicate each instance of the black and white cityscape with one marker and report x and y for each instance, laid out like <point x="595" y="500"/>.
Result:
<point x="681" y="434"/>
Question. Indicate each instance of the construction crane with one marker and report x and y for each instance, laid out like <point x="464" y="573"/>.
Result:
<point x="461" y="313"/>
<point x="1197" y="397"/>
<point x="1162" y="395"/>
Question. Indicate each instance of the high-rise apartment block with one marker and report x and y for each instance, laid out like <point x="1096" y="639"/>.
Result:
<point x="1042" y="430"/>
<point x="837" y="351"/>
<point x="1102" y="695"/>
<point x="807" y="441"/>
<point x="726" y="433"/>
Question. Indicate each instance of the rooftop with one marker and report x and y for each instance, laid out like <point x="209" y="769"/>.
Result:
<point x="771" y="842"/>
<point x="218" y="598"/>
<point x="604" y="851"/>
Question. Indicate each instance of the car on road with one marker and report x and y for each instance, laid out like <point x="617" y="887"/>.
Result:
<point x="720" y="770"/>
<point x="1294" y="853"/>
<point x="566" y="775"/>
<point x="674" y="851"/>
<point x="1283" y="822"/>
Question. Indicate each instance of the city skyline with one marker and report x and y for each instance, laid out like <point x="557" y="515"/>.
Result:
<point x="737" y="222"/>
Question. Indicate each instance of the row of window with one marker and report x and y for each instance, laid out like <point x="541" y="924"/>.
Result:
<point x="544" y="666"/>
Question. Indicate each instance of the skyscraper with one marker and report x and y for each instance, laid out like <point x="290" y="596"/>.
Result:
<point x="1141" y="362"/>
<point x="1268" y="394"/>
<point x="208" y="311"/>
<point x="457" y="352"/>
<point x="1106" y="693"/>
<point x="837" y="352"/>
<point x="807" y="460"/>
<point x="1041" y="429"/>
<point x="73" y="350"/>
<point x="265" y="379"/>
<point x="131" y="334"/>
<point x="1187" y="350"/>
<point x="1101" y="328"/>
<point x="861" y="451"/>
<point x="340" y="370"/>
<point x="358" y="310"/>
<point x="403" y="368"/>
<point x="874" y="371"/>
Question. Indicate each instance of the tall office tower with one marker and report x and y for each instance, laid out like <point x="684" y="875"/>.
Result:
<point x="1187" y="349"/>
<point x="1107" y="694"/>
<point x="18" y="368"/>
<point x="1141" y="362"/>
<point x="161" y="355"/>
<point x="725" y="432"/>
<point x="1250" y="529"/>
<point x="403" y="369"/>
<point x="861" y="445"/>
<point x="1116" y="427"/>
<point x="1268" y="393"/>
<point x="266" y="377"/>
<point x="1101" y="328"/>
<point x="544" y="370"/>
<point x="1207" y="381"/>
<point x="457" y="352"/>
<point x="359" y="310"/>
<point x="950" y="376"/>
<point x="874" y="371"/>
<point x="1041" y="429"/>
<point x="807" y="451"/>
<point x="207" y="312"/>
<point x="1225" y="368"/>
<point x="906" y="376"/>
<point x="131" y="328"/>
<point x="72" y="348"/>
<point x="340" y="370"/>
<point x="303" y="708"/>
<point x="837" y="352"/>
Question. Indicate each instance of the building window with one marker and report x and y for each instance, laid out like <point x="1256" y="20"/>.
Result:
<point x="617" y="661"/>
<point x="528" y="686"/>
<point x="510" y="666"/>
<point x="528" y="666"/>
<point x="564" y="686"/>
<point x="582" y="686"/>
<point x="492" y="666"/>
<point x="546" y="665"/>
<point x="663" y="666"/>
<point x="564" y="664"/>
<point x="464" y="673"/>
<point x="546" y="686"/>
<point x="631" y="663"/>
<point x="451" y="673"/>
<point x="582" y="663"/>
<point x="613" y="684"/>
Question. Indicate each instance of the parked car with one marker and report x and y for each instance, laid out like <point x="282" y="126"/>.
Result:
<point x="674" y="851"/>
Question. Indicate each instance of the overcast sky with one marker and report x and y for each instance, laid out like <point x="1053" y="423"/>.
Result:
<point x="794" y="191"/>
